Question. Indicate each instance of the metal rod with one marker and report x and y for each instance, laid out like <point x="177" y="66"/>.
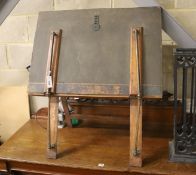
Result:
<point x="184" y="96"/>
<point x="192" y="92"/>
<point x="194" y="109"/>
<point x="175" y="98"/>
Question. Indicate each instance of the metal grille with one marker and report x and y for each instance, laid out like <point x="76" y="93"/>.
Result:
<point x="183" y="147"/>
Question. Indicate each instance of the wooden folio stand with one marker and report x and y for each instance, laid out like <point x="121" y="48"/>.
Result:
<point x="135" y="95"/>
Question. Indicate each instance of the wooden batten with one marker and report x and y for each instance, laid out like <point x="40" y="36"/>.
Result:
<point x="56" y="60"/>
<point x="52" y="127"/>
<point x="136" y="40"/>
<point x="136" y="55"/>
<point x="52" y="67"/>
<point x="52" y="63"/>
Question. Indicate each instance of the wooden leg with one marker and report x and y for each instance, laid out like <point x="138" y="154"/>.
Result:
<point x="135" y="91"/>
<point x="52" y="127"/>
<point x="135" y="132"/>
<point x="67" y="113"/>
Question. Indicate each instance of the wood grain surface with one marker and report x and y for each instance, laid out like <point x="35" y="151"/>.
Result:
<point x="136" y="60"/>
<point x="82" y="149"/>
<point x="52" y="127"/>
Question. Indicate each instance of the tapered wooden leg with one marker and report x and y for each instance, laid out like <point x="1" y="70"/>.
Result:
<point x="136" y="42"/>
<point x="135" y="132"/>
<point x="52" y="127"/>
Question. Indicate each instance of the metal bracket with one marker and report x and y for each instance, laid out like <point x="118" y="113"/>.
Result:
<point x="136" y="152"/>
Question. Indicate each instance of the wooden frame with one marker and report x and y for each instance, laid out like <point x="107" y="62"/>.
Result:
<point x="135" y="95"/>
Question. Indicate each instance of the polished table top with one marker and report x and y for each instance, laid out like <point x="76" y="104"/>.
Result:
<point x="85" y="148"/>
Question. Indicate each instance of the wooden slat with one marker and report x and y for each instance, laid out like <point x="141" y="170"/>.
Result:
<point x="136" y="96"/>
<point x="133" y="67"/>
<point x="52" y="127"/>
<point x="49" y="60"/>
<point x="55" y="62"/>
<point x="135" y="133"/>
<point x="133" y="60"/>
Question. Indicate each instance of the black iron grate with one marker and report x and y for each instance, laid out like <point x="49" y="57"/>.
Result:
<point x="183" y="146"/>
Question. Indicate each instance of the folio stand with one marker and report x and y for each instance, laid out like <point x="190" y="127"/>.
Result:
<point x="135" y="95"/>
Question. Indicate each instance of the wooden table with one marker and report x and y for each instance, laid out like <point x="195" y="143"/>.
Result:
<point x="80" y="150"/>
